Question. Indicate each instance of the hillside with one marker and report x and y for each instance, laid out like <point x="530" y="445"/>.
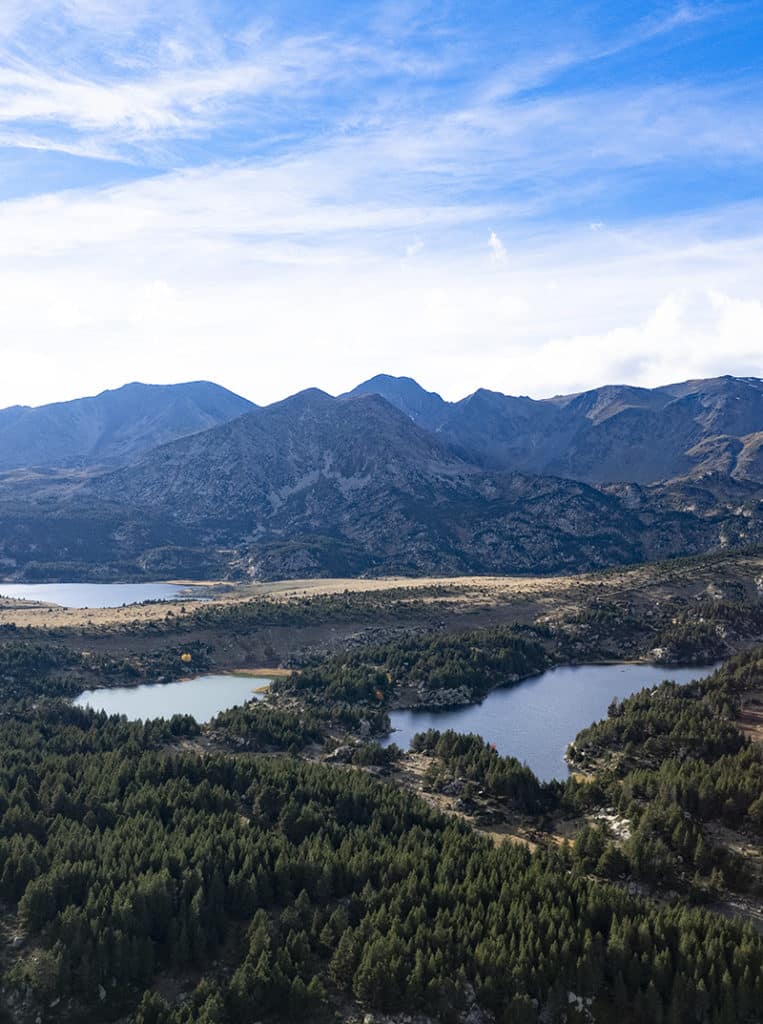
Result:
<point x="375" y="484"/>
<point x="279" y="864"/>
<point x="113" y="427"/>
<point x="609" y="434"/>
<point x="322" y="485"/>
<point x="316" y="485"/>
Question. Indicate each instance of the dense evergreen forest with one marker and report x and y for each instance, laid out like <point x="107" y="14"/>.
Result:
<point x="290" y="886"/>
<point x="473" y="662"/>
<point x="31" y="667"/>
<point x="171" y="874"/>
<point x="468" y="758"/>
<point x="262" y="727"/>
<point x="675" y="765"/>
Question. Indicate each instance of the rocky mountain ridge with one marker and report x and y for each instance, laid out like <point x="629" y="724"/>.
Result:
<point x="406" y="483"/>
<point x="318" y="485"/>
<point x="611" y="434"/>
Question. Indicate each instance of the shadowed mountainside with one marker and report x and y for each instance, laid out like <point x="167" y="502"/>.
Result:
<point x="316" y="485"/>
<point x="114" y="427"/>
<point x="610" y="434"/>
<point x="407" y="483"/>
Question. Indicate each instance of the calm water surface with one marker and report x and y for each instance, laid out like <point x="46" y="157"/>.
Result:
<point x="203" y="697"/>
<point x="94" y="595"/>
<point x="536" y="719"/>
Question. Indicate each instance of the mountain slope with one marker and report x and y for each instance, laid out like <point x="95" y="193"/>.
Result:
<point x="315" y="485"/>
<point x="609" y="434"/>
<point x="113" y="427"/>
<point x="271" y="457"/>
<point x="666" y="434"/>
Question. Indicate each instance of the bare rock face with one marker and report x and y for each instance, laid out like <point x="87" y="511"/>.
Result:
<point x="475" y="1015"/>
<point x="472" y="1015"/>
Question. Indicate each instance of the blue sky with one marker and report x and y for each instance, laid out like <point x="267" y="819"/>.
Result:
<point x="534" y="198"/>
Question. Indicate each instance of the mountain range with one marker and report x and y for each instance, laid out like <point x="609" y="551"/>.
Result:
<point x="113" y="427"/>
<point x="609" y="434"/>
<point x="192" y="480"/>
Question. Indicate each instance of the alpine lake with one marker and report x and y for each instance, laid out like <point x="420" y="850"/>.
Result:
<point x="533" y="720"/>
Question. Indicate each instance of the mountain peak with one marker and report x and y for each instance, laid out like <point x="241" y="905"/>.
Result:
<point x="308" y="398"/>
<point x="426" y="408"/>
<point x="381" y="380"/>
<point x="114" y="426"/>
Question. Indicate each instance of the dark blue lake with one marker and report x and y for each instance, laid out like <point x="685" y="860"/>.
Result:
<point x="535" y="720"/>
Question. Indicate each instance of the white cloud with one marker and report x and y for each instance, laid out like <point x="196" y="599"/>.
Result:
<point x="273" y="272"/>
<point x="288" y="211"/>
<point x="261" y="279"/>
<point x="414" y="248"/>
<point x="529" y="73"/>
<point x="174" y="100"/>
<point x="497" y="248"/>
<point x="126" y="75"/>
<point x="686" y="335"/>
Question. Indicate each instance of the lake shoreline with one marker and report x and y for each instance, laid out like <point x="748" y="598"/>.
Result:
<point x="537" y="718"/>
<point x="201" y="696"/>
<point x="609" y="662"/>
<point x="257" y="673"/>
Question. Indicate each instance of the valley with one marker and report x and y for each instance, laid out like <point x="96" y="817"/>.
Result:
<point x="709" y="602"/>
<point x="338" y="696"/>
<point x="342" y="656"/>
<point x="357" y="695"/>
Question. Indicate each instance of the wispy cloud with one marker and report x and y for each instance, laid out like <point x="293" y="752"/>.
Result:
<point x="177" y="100"/>
<point x="120" y="76"/>
<point x="363" y="177"/>
<point x="497" y="248"/>
<point x="532" y="72"/>
<point x="211" y="275"/>
<point x="124" y="75"/>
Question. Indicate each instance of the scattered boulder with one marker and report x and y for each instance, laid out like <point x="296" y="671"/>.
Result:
<point x="342" y="755"/>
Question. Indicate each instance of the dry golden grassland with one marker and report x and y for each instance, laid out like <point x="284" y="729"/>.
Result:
<point x="536" y="595"/>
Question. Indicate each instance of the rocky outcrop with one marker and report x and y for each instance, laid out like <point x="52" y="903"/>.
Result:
<point x="471" y="1014"/>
